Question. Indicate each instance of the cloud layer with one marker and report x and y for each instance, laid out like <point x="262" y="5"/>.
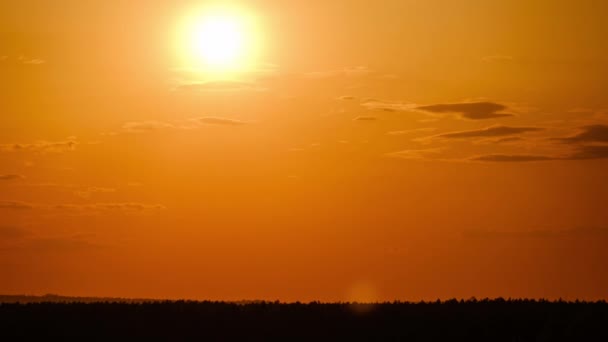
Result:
<point x="126" y="206"/>
<point x="211" y="120"/>
<point x="190" y="124"/>
<point x="16" y="205"/>
<point x="494" y="131"/>
<point x="220" y="86"/>
<point x="580" y="153"/>
<point x="472" y="110"/>
<point x="587" y="134"/>
<point x="41" y="146"/>
<point x="10" y="177"/>
<point x="365" y="118"/>
<point x="388" y="106"/>
<point x="511" y="158"/>
<point x="88" y="192"/>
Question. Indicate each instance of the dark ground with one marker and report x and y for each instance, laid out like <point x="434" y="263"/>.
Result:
<point x="483" y="320"/>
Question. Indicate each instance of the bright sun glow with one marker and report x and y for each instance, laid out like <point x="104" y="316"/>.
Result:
<point x="219" y="40"/>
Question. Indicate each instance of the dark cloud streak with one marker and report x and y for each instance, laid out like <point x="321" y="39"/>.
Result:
<point x="472" y="110"/>
<point x="511" y="158"/>
<point x="16" y="205"/>
<point x="590" y="133"/>
<point x="11" y="177"/>
<point x="494" y="131"/>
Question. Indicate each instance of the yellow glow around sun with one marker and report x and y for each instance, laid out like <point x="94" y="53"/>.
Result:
<point x="219" y="40"/>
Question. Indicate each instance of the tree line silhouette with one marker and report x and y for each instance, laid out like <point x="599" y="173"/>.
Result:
<point x="452" y="320"/>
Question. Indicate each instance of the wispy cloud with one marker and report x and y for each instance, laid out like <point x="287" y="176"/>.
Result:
<point x="22" y="60"/>
<point x="493" y="131"/>
<point x="416" y="154"/>
<point x="503" y="140"/>
<point x="412" y="131"/>
<point x="11" y="177"/>
<point x="88" y="192"/>
<point x="365" y="118"/>
<point x="130" y="206"/>
<point x="48" y="185"/>
<point x="145" y="126"/>
<point x="220" y="86"/>
<point x="586" y="152"/>
<point x="42" y="146"/>
<point x="189" y="124"/>
<point x="346" y="72"/>
<point x="388" y="106"/>
<point x="467" y="110"/>
<point x="16" y="205"/>
<point x="119" y="206"/>
<point x="512" y="158"/>
<point x="590" y="152"/>
<point x="588" y="134"/>
<point x="471" y="110"/>
<point x="588" y="144"/>
<point x="33" y="61"/>
<point x="213" y="120"/>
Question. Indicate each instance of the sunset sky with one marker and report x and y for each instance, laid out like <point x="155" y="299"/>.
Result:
<point x="304" y="150"/>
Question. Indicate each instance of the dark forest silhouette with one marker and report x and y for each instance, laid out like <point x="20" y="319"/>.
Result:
<point x="452" y="320"/>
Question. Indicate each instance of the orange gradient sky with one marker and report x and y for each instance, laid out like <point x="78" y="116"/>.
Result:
<point x="337" y="150"/>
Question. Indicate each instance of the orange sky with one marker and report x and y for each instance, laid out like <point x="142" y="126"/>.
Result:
<point x="386" y="150"/>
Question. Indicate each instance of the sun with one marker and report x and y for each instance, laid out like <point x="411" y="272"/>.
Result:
<point x="219" y="40"/>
